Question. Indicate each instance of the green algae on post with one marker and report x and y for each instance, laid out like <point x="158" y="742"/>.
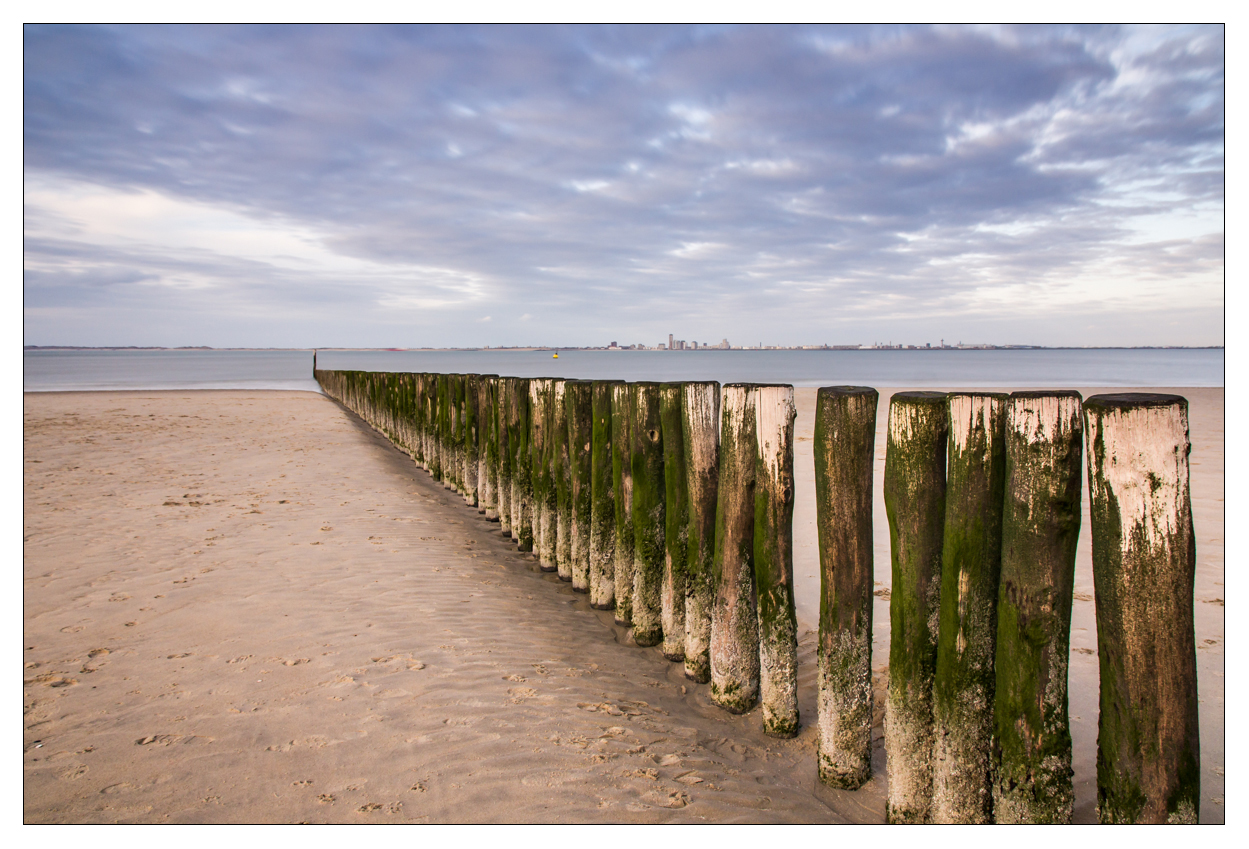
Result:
<point x="844" y="447"/>
<point x="472" y="394"/>
<point x="503" y="400"/>
<point x="522" y="466"/>
<point x="774" y="558"/>
<point x="648" y="515"/>
<point x="915" y="504"/>
<point x="1040" y="528"/>
<point x="541" y="390"/>
<point x="701" y="438"/>
<point x="1144" y="565"/>
<point x="488" y="469"/>
<point x="622" y="483"/>
<point x="562" y="480"/>
<point x="676" y="522"/>
<point x="579" y="412"/>
<point x="734" y="648"/>
<point x="602" y="498"/>
<point x="970" y="565"/>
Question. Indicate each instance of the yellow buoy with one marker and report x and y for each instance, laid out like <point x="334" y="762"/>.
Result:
<point x="555" y="356"/>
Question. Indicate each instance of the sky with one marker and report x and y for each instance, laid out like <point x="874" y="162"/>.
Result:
<point x="536" y="185"/>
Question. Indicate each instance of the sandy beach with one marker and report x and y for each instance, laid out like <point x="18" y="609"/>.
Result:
<point x="247" y="606"/>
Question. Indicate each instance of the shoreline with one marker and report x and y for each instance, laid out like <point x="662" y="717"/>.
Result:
<point x="78" y="587"/>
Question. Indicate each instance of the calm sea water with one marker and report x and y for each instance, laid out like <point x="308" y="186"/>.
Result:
<point x="292" y="369"/>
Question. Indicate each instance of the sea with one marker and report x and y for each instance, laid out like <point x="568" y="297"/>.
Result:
<point x="64" y="370"/>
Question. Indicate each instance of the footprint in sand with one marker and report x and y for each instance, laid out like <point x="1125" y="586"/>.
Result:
<point x="520" y="694"/>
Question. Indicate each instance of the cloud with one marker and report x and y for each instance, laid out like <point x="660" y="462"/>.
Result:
<point x="619" y="182"/>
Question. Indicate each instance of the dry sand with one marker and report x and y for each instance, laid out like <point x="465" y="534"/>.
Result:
<point x="245" y="606"/>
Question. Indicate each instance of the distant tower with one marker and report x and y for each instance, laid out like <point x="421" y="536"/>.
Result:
<point x="669" y="341"/>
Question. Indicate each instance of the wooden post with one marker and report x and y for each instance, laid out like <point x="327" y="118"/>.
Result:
<point x="561" y="478"/>
<point x="488" y="452"/>
<point x="845" y="449"/>
<point x="454" y="466"/>
<point x="774" y="558"/>
<point x="540" y="447"/>
<point x="700" y="433"/>
<point x="734" y="646"/>
<point x="522" y="473"/>
<point x="1040" y="527"/>
<point x="602" y="498"/>
<point x="472" y="391"/>
<point x="1144" y="565"/>
<point x="441" y="426"/>
<point x="915" y="505"/>
<point x="507" y="388"/>
<point x="648" y="515"/>
<point x="622" y="483"/>
<point x="676" y="521"/>
<point x="971" y="561"/>
<point x="578" y="398"/>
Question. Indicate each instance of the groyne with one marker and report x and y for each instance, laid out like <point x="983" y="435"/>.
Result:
<point x="672" y="505"/>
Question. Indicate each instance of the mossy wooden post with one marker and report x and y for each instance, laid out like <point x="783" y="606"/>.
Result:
<point x="700" y="432"/>
<point x="441" y="426"/>
<point x="602" y="498"/>
<point x="424" y="404"/>
<point x="734" y="646"/>
<point x="522" y="472"/>
<point x="915" y="504"/>
<point x="648" y="516"/>
<point x="676" y="521"/>
<point x="454" y="468"/>
<point x="488" y="447"/>
<point x="472" y="393"/>
<point x="1040" y="528"/>
<point x="774" y="559"/>
<point x="845" y="449"/>
<point x="541" y="452"/>
<point x="561" y="478"/>
<point x="503" y="400"/>
<point x="1144" y="565"/>
<point x="579" y="412"/>
<point x="971" y="560"/>
<point x="622" y="484"/>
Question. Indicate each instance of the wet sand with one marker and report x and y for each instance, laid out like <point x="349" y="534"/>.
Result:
<point x="245" y="606"/>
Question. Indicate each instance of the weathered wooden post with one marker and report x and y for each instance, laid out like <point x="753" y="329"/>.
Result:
<point x="441" y="426"/>
<point x="1040" y="528"/>
<point x="522" y="471"/>
<point x="488" y="450"/>
<point x="1144" y="565"/>
<point x="561" y="478"/>
<point x="503" y="400"/>
<point x="472" y="391"/>
<point x="453" y="467"/>
<point x="734" y="646"/>
<point x="676" y="521"/>
<point x="578" y="399"/>
<point x="700" y="432"/>
<point x="541" y="390"/>
<point x="622" y="484"/>
<point x="774" y="558"/>
<point x="648" y="515"/>
<point x="915" y="505"/>
<point x="971" y="562"/>
<point x="602" y="498"/>
<point x="845" y="448"/>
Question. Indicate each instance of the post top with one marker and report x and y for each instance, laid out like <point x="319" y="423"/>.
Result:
<point x="846" y="390"/>
<point x="919" y="396"/>
<point x="1046" y="393"/>
<point x="1134" y="400"/>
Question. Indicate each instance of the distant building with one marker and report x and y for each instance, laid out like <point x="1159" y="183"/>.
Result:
<point x="669" y="342"/>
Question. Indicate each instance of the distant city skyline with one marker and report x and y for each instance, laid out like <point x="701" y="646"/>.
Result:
<point x="562" y="186"/>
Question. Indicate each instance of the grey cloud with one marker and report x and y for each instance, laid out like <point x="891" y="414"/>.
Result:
<point x="567" y="167"/>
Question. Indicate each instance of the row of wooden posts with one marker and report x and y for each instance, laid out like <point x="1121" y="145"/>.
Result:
<point x="672" y="505"/>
